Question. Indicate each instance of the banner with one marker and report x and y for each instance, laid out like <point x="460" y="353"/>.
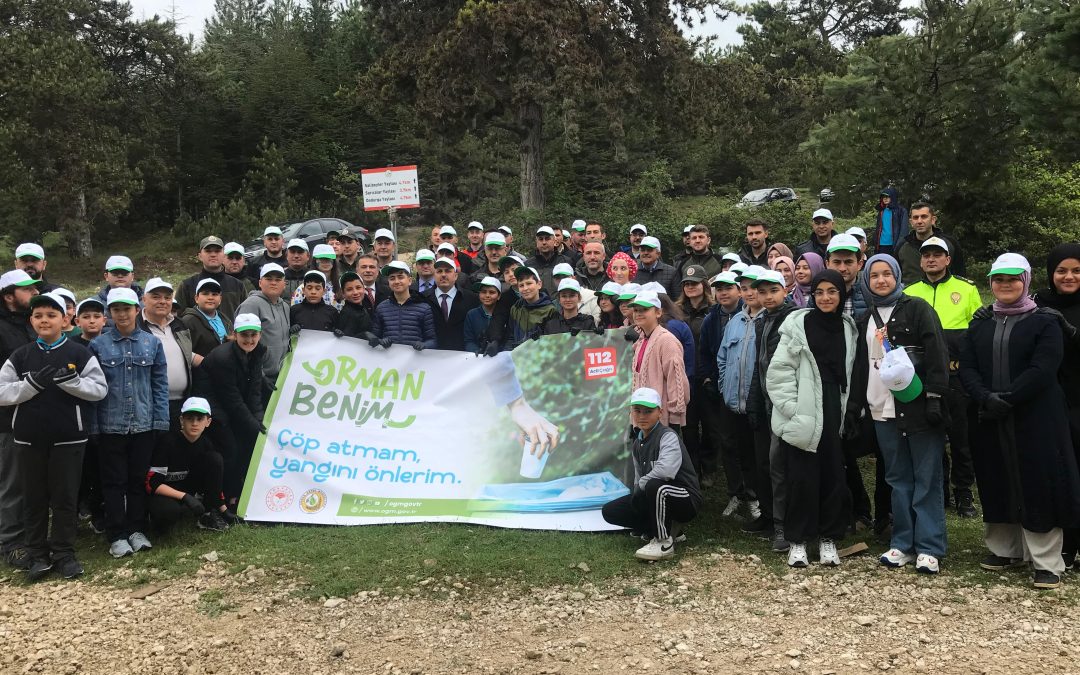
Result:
<point x="360" y="435"/>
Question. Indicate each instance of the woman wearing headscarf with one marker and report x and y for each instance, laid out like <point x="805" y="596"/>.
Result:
<point x="776" y="250"/>
<point x="1024" y="462"/>
<point x="1063" y="296"/>
<point x="622" y="268"/>
<point x="806" y="268"/>
<point x="786" y="266"/>
<point x="808" y="382"/>
<point x="909" y="423"/>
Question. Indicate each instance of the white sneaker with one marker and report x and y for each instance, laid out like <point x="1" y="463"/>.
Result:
<point x="139" y="542"/>
<point x="827" y="554"/>
<point x="796" y="556"/>
<point x="755" y="509"/>
<point x="927" y="564"/>
<point x="657" y="549"/>
<point x="894" y="557"/>
<point x="732" y="506"/>
<point x="120" y="548"/>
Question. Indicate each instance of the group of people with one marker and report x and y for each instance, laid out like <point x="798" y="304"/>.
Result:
<point x="139" y="408"/>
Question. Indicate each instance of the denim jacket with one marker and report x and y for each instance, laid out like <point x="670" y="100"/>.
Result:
<point x="138" y="398"/>
<point x="735" y="361"/>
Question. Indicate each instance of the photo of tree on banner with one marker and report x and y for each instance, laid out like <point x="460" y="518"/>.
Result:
<point x="532" y="438"/>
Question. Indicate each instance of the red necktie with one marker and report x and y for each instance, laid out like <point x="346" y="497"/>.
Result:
<point x="371" y="295"/>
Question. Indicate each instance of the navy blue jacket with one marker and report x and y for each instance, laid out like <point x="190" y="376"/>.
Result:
<point x="709" y="339"/>
<point x="407" y="323"/>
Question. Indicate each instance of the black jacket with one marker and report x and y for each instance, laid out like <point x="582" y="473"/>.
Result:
<point x="557" y="324"/>
<point x="203" y="337"/>
<point x="313" y="316"/>
<point x="254" y="266"/>
<point x="233" y="292"/>
<point x="812" y="245"/>
<point x="450" y="331"/>
<point x="354" y="320"/>
<point x="546" y="266"/>
<point x="746" y="254"/>
<point x="908" y="253"/>
<point x="663" y="274"/>
<point x="232" y="381"/>
<point x="767" y="338"/>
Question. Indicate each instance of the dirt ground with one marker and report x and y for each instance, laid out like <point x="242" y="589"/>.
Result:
<point x="714" y="614"/>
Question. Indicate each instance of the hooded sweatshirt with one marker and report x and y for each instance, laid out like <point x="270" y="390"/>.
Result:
<point x="275" y="328"/>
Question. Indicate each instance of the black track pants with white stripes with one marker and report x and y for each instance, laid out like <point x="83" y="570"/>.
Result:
<point x="653" y="509"/>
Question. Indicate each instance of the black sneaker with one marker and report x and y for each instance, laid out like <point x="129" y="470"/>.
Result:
<point x="997" y="563"/>
<point x="231" y="518"/>
<point x="69" y="568"/>
<point x="1046" y="580"/>
<point x="38" y="570"/>
<point x="965" y="506"/>
<point x="760" y="526"/>
<point x="212" y="520"/>
<point x="19" y="558"/>
<point x="779" y="543"/>
<point x="97" y="523"/>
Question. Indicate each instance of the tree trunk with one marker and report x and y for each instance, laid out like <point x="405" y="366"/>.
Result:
<point x="531" y="120"/>
<point x="77" y="230"/>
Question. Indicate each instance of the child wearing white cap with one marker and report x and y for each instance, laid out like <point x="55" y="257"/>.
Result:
<point x="478" y="319"/>
<point x="267" y="304"/>
<point x="665" y="494"/>
<point x="119" y="273"/>
<point x="569" y="319"/>
<point x="313" y="313"/>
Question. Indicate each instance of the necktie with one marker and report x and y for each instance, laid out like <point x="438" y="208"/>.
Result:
<point x="371" y="295"/>
<point x="445" y="307"/>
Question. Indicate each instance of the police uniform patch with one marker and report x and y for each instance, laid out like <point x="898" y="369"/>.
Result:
<point x="955" y="297"/>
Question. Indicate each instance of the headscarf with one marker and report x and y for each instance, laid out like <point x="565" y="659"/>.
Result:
<point x="801" y="295"/>
<point x="1051" y="297"/>
<point x="1024" y="304"/>
<point x="630" y="262"/>
<point x="825" y="332"/>
<point x="782" y="249"/>
<point x="791" y="266"/>
<point x="864" y="282"/>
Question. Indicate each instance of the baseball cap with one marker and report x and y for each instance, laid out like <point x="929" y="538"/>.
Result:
<point x="578" y="225"/>
<point x="565" y="234"/>
<point x="124" y="296"/>
<point x="211" y="241"/>
<point x="610" y="288"/>
<point x="646" y="299"/>
<point x="752" y="272"/>
<point x="447" y="229"/>
<point x="856" y="232"/>
<point x="733" y="257"/>
<point x="449" y="262"/>
<point x="654" y="287"/>
<point x="30" y="249"/>
<point x="157" y="284"/>
<point x="562" y="270"/>
<point x="822" y="213"/>
<point x="395" y="266"/>
<point x="505" y="229"/>
<point x="650" y="242"/>
<point x="898" y="374"/>
<point x="424" y="254"/>
<point x="52" y="299"/>
<point x="17" y="278"/>
<point x="525" y="271"/>
<point x="645" y="396"/>
<point x="1010" y="263"/>
<point x="694" y="273"/>
<point x="272" y="230"/>
<point x="569" y="285"/>
<point x="768" y="277"/>
<point x="119" y="262"/>
<point x="447" y="247"/>
<point x="65" y="293"/>
<point x="494" y="239"/>
<point x="203" y="283"/>
<point x="244" y="322"/>
<point x="315" y="274"/>
<point x="843" y="242"/>
<point x="935" y="242"/>
<point x="544" y="229"/>
<point x="195" y="404"/>
<point x="738" y="268"/>
<point x="638" y="227"/>
<point x="234" y="247"/>
<point x="629" y="291"/>
<point x="346" y="233"/>
<point x="298" y="243"/>
<point x="271" y="268"/>
<point x="90" y="304"/>
<point x="323" y="252"/>
<point x="728" y="277"/>
<point x="383" y="233"/>
<point x="686" y="230"/>
<point x="507" y="260"/>
<point x="474" y="225"/>
<point x="492" y="282"/>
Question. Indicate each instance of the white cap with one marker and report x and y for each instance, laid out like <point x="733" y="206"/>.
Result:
<point x="524" y="270"/>
<point x="122" y="295"/>
<point x="447" y="260"/>
<point x="494" y="239"/>
<point x="569" y="285"/>
<point x="733" y="257"/>
<point x="728" y="277"/>
<point x="654" y="287"/>
<point x="448" y="248"/>
<point x="769" y="277"/>
<point x="646" y="299"/>
<point x="206" y="282"/>
<point x="447" y="229"/>
<point x="156" y="284"/>
<point x="395" y="266"/>
<point x="738" y="268"/>
<point x="1010" y="263"/>
<point x="298" y="243"/>
<point x="424" y="254"/>
<point x="578" y="225"/>
<point x="383" y="233"/>
<point x="645" y="396"/>
<point x="474" y="225"/>
<point x="650" y="242"/>
<point x="51" y="298"/>
<point x="271" y="268"/>
<point x="30" y="249"/>
<point x="323" y="252"/>
<point x="195" y="404"/>
<point x="638" y="227"/>
<point x="822" y="213"/>
<point x="610" y="288"/>
<point x="856" y="232"/>
<point x="565" y="234"/>
<point x="752" y="272"/>
<point x="89" y="301"/>
<point x="843" y="242"/>
<point x="493" y="282"/>
<point x="65" y="293"/>
<point x="234" y="247"/>
<point x="562" y="270"/>
<point x="244" y="322"/>
<point x="315" y="273"/>
<point x="272" y="229"/>
<point x="628" y="291"/>
<point x="505" y="229"/>
<point x="119" y="262"/>
<point x="935" y="241"/>
<point x="544" y="229"/>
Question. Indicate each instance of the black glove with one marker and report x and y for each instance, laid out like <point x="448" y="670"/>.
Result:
<point x="984" y="312"/>
<point x="385" y="343"/>
<point x="418" y="346"/>
<point x="995" y="408"/>
<point x="631" y="335"/>
<point x="372" y="340"/>
<point x="262" y="428"/>
<point x="852" y="424"/>
<point x="294" y="329"/>
<point x="599" y="330"/>
<point x="42" y="378"/>
<point x="574" y="332"/>
<point x="339" y="333"/>
<point x="933" y="411"/>
<point x="1067" y="329"/>
<point x="536" y="335"/>
<point x="492" y="349"/>
<point x="193" y="504"/>
<point x="64" y="374"/>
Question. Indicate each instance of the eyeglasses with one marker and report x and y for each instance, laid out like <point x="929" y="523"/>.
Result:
<point x="826" y="293"/>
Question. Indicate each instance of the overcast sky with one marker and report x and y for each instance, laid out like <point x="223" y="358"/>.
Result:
<point x="192" y="14"/>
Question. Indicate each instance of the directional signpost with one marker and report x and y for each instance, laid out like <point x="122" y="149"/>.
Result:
<point x="389" y="189"/>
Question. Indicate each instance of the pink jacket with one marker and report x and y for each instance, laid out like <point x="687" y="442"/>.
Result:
<point x="662" y="369"/>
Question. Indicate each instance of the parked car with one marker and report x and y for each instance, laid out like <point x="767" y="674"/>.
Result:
<point x="312" y="231"/>
<point x="756" y="198"/>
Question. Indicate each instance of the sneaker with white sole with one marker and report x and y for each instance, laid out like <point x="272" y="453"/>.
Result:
<point x="827" y="554"/>
<point x="894" y="557"/>
<point x="732" y="506"/>
<point x="139" y="542"/>
<point x="927" y="564"/>
<point x="657" y="550"/>
<point x="796" y="556"/>
<point x="120" y="548"/>
<point x="754" y="506"/>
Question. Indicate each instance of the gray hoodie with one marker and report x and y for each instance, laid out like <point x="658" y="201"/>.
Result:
<point x="275" y="329"/>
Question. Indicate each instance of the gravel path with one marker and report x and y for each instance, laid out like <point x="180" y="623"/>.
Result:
<point x="715" y="613"/>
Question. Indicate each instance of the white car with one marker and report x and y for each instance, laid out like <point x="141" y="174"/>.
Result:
<point x="765" y="196"/>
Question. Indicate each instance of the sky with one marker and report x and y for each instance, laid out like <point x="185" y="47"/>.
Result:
<point x="191" y="16"/>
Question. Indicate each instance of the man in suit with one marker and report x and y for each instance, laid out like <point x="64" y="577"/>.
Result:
<point x="450" y="304"/>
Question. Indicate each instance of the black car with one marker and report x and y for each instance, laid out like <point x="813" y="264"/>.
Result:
<point x="312" y="231"/>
